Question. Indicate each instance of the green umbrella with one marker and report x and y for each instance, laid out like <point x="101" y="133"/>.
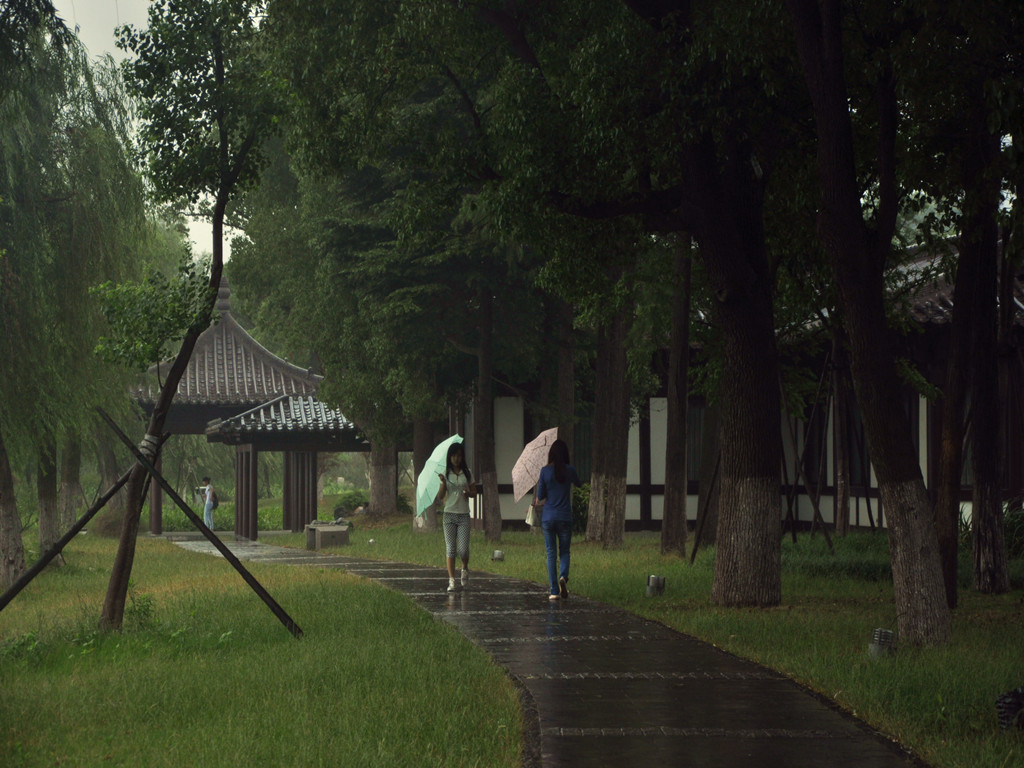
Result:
<point x="428" y="482"/>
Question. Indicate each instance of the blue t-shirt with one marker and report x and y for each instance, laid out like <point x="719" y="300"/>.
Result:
<point x="559" y="495"/>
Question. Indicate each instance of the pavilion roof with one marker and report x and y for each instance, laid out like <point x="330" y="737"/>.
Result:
<point x="930" y="292"/>
<point x="287" y="421"/>
<point x="229" y="367"/>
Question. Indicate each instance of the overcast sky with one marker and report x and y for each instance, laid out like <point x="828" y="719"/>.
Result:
<point x="96" y="21"/>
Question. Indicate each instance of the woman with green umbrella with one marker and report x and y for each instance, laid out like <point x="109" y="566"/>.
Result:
<point x="456" y="490"/>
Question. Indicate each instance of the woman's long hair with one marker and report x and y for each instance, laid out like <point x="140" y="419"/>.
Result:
<point x="558" y="454"/>
<point x="449" y="470"/>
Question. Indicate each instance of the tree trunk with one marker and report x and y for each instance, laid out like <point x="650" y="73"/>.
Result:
<point x="859" y="258"/>
<point x="71" y="495"/>
<point x="951" y="436"/>
<point x="383" y="480"/>
<point x="566" y="378"/>
<point x="46" y="494"/>
<point x="606" y="520"/>
<point x="112" y="616"/>
<point x="709" y="482"/>
<point x="12" y="547"/>
<point x="991" y="574"/>
<point x="673" y="523"/>
<point x="748" y="564"/>
<point x="422" y="445"/>
<point x="840" y="421"/>
<point x="486" y="473"/>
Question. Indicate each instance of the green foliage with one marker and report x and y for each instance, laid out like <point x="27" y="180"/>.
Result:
<point x="404" y="506"/>
<point x="1014" y="531"/>
<point x="148" y="319"/>
<point x="863" y="557"/>
<point x="71" y="213"/>
<point x="580" y="508"/>
<point x="346" y="502"/>
<point x="205" y="95"/>
<point x="140" y="610"/>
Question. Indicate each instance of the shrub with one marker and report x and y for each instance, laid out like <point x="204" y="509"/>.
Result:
<point x="580" y="508"/>
<point x="404" y="507"/>
<point x="1014" y="529"/>
<point x="346" y="502"/>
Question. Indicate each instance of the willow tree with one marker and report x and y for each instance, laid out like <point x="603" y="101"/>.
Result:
<point x="72" y="212"/>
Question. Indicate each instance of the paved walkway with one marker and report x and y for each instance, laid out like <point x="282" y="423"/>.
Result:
<point x="608" y="688"/>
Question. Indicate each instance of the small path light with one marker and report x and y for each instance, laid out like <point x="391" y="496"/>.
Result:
<point x="655" y="585"/>
<point x="1010" y="709"/>
<point x="498" y="555"/>
<point x="881" y="642"/>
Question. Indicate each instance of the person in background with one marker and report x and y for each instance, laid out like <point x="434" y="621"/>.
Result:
<point x="553" y="499"/>
<point x="206" y="491"/>
<point x="456" y="490"/>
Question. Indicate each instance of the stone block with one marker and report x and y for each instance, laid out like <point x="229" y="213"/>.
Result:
<point x="331" y="536"/>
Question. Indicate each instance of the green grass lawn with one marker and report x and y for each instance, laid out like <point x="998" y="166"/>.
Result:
<point x="205" y="675"/>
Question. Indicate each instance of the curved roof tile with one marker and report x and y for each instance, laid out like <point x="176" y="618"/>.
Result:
<point x="284" y="417"/>
<point x="229" y="367"/>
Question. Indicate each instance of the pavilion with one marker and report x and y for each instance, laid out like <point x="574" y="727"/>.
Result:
<point x="237" y="392"/>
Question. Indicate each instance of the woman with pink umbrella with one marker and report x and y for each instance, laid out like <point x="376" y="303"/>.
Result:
<point x="554" y="501"/>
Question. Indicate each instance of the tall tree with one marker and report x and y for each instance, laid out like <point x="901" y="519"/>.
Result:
<point x="674" y="518"/>
<point x="71" y="212"/>
<point x="956" y="72"/>
<point x="71" y="496"/>
<point x="21" y="23"/>
<point x="859" y="249"/>
<point x="621" y="110"/>
<point x="207" y="99"/>
<point x="415" y="111"/>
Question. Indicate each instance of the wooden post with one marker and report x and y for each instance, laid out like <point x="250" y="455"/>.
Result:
<point x="156" y="504"/>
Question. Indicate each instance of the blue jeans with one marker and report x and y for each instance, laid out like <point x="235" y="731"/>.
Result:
<point x="208" y="514"/>
<point x="557" y="539"/>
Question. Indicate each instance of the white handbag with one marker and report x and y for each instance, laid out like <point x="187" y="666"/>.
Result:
<point x="531" y="516"/>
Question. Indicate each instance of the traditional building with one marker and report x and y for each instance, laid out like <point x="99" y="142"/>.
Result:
<point x="236" y="391"/>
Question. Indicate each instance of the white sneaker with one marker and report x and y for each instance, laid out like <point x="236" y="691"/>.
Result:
<point x="465" y="577"/>
<point x="451" y="585"/>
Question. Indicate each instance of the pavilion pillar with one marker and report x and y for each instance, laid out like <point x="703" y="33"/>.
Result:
<point x="246" y="500"/>
<point x="156" y="502"/>
<point x="311" y="495"/>
<point x="299" y="496"/>
<point x="289" y="521"/>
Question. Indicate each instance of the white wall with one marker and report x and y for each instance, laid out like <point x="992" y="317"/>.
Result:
<point x="509" y="439"/>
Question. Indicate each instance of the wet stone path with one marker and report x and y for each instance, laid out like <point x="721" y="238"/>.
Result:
<point x="607" y="688"/>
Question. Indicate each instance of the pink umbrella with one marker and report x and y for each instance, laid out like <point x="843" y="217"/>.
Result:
<point x="534" y="457"/>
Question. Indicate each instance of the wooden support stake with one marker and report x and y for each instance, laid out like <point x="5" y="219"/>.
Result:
<point x="210" y="535"/>
<point x="57" y="548"/>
